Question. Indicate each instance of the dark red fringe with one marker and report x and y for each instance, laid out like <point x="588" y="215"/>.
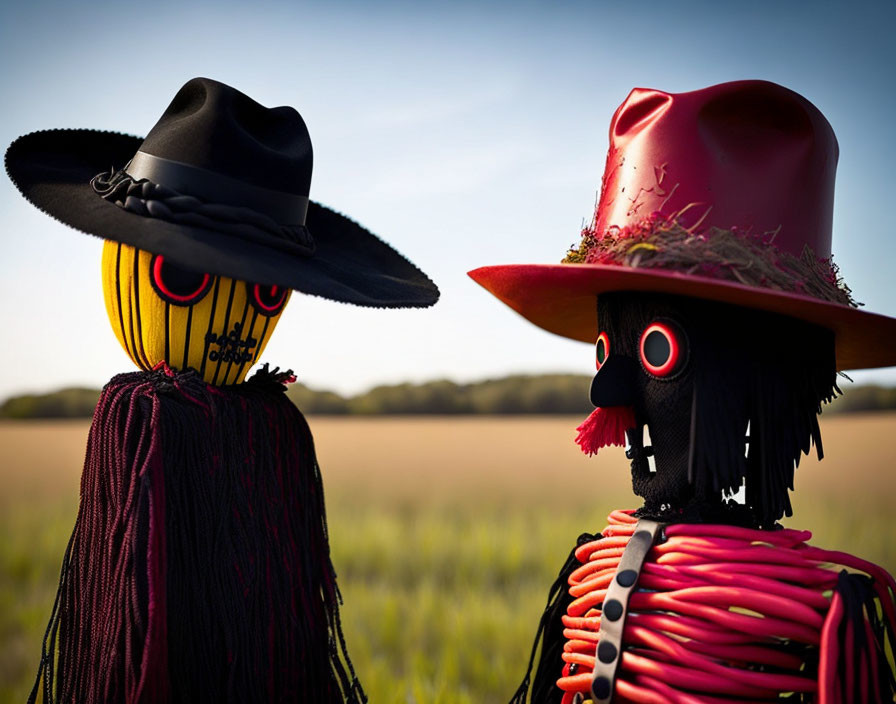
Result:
<point x="199" y="566"/>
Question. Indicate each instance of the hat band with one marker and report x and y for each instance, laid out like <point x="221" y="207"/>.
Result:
<point x="153" y="200"/>
<point x="212" y="187"/>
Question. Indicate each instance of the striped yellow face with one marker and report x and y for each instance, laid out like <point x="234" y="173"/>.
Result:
<point x="163" y="313"/>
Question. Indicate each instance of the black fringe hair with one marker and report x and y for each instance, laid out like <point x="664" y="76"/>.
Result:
<point x="768" y="373"/>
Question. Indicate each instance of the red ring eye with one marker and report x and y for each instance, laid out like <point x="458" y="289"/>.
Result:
<point x="176" y="285"/>
<point x="269" y="300"/>
<point x="602" y="349"/>
<point x="663" y="348"/>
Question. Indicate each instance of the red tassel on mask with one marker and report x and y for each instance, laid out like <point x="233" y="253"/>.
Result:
<point x="604" y="427"/>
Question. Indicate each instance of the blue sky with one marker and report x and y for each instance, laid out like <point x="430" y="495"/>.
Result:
<point x="463" y="133"/>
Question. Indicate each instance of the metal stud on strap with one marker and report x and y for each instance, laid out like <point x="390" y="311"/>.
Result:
<point x="615" y="609"/>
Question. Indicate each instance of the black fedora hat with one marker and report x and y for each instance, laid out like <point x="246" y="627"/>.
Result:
<point x="219" y="185"/>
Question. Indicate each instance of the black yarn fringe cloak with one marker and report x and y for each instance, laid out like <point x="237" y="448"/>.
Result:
<point x="199" y="566"/>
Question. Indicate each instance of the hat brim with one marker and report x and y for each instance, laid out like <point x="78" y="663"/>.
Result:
<point x="561" y="298"/>
<point x="53" y="169"/>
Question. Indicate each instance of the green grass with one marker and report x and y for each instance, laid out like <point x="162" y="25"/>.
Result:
<point x="443" y="590"/>
<point x="34" y="539"/>
<point x="441" y="602"/>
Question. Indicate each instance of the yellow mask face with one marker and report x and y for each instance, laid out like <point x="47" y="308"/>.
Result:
<point x="163" y="313"/>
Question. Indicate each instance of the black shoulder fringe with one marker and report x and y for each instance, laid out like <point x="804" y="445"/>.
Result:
<point x="550" y="634"/>
<point x="199" y="567"/>
<point x="858" y="642"/>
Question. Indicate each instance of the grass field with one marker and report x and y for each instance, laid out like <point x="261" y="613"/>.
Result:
<point x="446" y="534"/>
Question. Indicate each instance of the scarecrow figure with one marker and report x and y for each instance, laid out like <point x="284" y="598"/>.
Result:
<point x="199" y="566"/>
<point x="720" y="322"/>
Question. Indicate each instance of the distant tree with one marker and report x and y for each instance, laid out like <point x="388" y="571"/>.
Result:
<point x="519" y="394"/>
<point x="864" y="398"/>
<point x="547" y="393"/>
<point x="65" y="403"/>
<point x="316" y="402"/>
<point x="434" y="397"/>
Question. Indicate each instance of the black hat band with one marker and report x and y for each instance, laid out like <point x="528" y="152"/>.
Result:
<point x="212" y="187"/>
<point x="148" y="199"/>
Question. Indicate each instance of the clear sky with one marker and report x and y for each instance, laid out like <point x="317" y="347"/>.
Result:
<point x="463" y="133"/>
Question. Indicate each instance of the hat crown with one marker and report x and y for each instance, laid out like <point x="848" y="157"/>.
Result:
<point x="212" y="126"/>
<point x="751" y="155"/>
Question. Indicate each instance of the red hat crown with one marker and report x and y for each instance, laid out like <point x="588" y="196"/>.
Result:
<point x="750" y="155"/>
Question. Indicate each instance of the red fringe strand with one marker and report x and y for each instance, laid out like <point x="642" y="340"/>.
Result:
<point x="604" y="427"/>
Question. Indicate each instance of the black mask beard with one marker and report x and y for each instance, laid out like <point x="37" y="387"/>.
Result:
<point x="737" y="368"/>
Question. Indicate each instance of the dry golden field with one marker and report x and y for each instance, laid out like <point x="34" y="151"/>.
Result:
<point x="446" y="533"/>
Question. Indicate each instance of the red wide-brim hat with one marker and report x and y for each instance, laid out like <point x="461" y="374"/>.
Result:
<point x="748" y="165"/>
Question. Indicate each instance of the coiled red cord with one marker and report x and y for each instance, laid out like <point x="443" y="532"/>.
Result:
<point x="722" y="612"/>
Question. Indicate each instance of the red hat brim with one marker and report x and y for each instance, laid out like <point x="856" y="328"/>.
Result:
<point x="560" y="298"/>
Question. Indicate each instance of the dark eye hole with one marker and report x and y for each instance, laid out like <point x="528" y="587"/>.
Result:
<point x="664" y="348"/>
<point x="177" y="285"/>
<point x="602" y="349"/>
<point x="268" y="300"/>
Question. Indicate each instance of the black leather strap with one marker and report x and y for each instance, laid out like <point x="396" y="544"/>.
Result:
<point x="285" y="208"/>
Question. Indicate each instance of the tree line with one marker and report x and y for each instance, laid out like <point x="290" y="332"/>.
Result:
<point x="511" y="395"/>
<point x="546" y="394"/>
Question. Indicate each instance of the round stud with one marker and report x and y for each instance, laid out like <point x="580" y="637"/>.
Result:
<point x="627" y="578"/>
<point x="601" y="687"/>
<point x="606" y="652"/>
<point x="613" y="610"/>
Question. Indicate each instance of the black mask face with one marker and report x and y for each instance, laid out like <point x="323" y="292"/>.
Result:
<point x="697" y="375"/>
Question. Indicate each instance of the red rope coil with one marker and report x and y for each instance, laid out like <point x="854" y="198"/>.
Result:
<point x="722" y="612"/>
